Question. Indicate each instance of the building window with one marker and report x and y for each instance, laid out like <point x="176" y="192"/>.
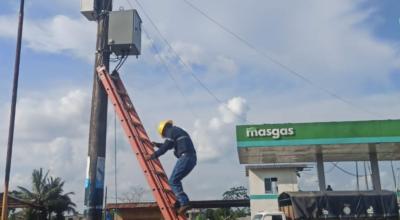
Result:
<point x="271" y="185"/>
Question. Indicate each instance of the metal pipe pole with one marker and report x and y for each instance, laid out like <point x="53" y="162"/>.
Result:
<point x="366" y="176"/>
<point x="320" y="169"/>
<point x="358" y="181"/>
<point x="375" y="175"/>
<point x="4" y="213"/>
<point x="398" y="176"/>
<point x="394" y="174"/>
<point x="94" y="184"/>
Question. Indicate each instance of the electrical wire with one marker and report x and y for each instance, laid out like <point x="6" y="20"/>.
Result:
<point x="251" y="46"/>
<point x="307" y="174"/>
<point x="184" y="63"/>
<point x="333" y="167"/>
<point x="328" y="171"/>
<point x="129" y="3"/>
<point x="345" y="171"/>
<point x="169" y="72"/>
<point x="278" y="63"/>
<point x="121" y="62"/>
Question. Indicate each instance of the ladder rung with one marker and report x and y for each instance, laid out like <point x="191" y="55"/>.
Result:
<point x="134" y="117"/>
<point x="162" y="174"/>
<point x="137" y="125"/>
<point x="168" y="191"/>
<point x="157" y="162"/>
<point x="145" y="140"/>
<point x="122" y="93"/>
<point x="129" y="107"/>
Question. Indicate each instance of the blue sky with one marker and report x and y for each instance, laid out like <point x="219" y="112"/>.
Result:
<point x="349" y="48"/>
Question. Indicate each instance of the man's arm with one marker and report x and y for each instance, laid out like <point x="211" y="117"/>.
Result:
<point x="157" y="144"/>
<point x="167" y="145"/>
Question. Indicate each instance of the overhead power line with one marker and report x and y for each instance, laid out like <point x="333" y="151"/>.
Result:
<point x="170" y="74"/>
<point x="345" y="171"/>
<point x="185" y="64"/>
<point x="336" y="165"/>
<point x="129" y="3"/>
<point x="332" y="168"/>
<point x="277" y="62"/>
<point x="176" y="54"/>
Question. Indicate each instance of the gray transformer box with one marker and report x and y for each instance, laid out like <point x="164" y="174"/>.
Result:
<point x="88" y="9"/>
<point x="124" y="32"/>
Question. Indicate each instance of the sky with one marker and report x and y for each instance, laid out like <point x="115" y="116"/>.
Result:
<point x="286" y="61"/>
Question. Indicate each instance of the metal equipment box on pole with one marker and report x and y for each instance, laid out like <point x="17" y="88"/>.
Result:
<point x="124" y="32"/>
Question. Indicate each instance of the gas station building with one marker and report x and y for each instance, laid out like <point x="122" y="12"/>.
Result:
<point x="275" y="153"/>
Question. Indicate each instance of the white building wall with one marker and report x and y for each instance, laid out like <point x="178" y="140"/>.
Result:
<point x="262" y="201"/>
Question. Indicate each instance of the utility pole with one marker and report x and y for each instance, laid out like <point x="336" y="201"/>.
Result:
<point x="94" y="184"/>
<point x="4" y="213"/>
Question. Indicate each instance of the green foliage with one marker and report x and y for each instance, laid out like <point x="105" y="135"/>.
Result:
<point x="234" y="193"/>
<point x="48" y="193"/>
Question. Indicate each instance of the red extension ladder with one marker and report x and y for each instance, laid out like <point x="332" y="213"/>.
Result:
<point x="140" y="143"/>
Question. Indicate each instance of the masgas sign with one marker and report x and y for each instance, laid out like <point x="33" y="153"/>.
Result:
<point x="320" y="132"/>
<point x="274" y="133"/>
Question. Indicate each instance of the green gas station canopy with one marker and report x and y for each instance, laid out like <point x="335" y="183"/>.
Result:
<point x="299" y="142"/>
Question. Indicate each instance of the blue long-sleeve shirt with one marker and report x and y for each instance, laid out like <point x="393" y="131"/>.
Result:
<point x="175" y="138"/>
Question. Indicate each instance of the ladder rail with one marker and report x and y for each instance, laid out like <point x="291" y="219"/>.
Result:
<point x="154" y="165"/>
<point x="117" y="103"/>
<point x="132" y="135"/>
<point x="140" y="143"/>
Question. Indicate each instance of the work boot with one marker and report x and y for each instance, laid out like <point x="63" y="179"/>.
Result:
<point x="183" y="209"/>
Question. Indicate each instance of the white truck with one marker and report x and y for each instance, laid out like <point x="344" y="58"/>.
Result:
<point x="269" y="216"/>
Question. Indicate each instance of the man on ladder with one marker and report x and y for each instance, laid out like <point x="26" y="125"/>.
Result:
<point x="178" y="139"/>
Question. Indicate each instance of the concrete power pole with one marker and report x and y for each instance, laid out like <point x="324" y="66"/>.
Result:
<point x="94" y="183"/>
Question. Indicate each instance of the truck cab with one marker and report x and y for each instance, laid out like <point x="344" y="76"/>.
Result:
<point x="269" y="216"/>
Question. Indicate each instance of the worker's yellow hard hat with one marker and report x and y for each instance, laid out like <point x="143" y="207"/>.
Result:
<point x="162" y="126"/>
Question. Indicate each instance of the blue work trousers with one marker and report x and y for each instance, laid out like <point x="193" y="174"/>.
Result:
<point x="182" y="168"/>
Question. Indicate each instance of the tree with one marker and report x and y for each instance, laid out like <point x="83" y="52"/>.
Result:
<point x="234" y="193"/>
<point x="135" y="194"/>
<point x="48" y="193"/>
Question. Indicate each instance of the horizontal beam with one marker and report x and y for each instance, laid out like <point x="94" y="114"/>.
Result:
<point x="194" y="204"/>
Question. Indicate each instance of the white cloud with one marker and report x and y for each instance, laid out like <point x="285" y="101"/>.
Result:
<point x="51" y="133"/>
<point x="37" y="118"/>
<point x="327" y="42"/>
<point x="215" y="139"/>
<point x="191" y="54"/>
<point x="224" y="65"/>
<point x="59" y="34"/>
